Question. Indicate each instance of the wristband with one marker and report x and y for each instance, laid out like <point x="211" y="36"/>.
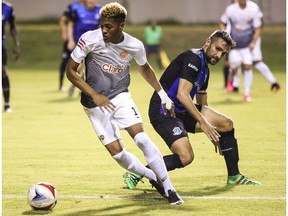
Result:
<point x="162" y="94"/>
<point x="165" y="99"/>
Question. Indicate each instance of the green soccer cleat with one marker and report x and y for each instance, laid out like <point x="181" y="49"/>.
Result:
<point x="131" y="180"/>
<point x="241" y="180"/>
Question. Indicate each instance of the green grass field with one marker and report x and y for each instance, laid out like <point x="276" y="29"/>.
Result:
<point x="48" y="137"/>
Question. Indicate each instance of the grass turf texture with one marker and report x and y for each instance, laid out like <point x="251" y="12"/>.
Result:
<point x="49" y="138"/>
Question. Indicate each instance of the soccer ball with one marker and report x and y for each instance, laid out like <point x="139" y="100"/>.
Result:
<point x="42" y="196"/>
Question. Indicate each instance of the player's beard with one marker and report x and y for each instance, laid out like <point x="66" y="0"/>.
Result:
<point x="211" y="60"/>
<point x="210" y="57"/>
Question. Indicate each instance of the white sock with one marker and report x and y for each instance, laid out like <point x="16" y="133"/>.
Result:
<point x="265" y="71"/>
<point x="154" y="159"/>
<point x="248" y="78"/>
<point x="130" y="162"/>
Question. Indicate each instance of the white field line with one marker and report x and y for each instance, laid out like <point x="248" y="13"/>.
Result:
<point x="11" y="196"/>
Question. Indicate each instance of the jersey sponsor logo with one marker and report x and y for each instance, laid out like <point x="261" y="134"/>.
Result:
<point x="109" y="68"/>
<point x="81" y="43"/>
<point x="123" y="54"/>
<point x="177" y="131"/>
<point x="192" y="66"/>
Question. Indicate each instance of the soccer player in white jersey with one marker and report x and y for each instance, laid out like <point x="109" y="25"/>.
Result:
<point x="257" y="62"/>
<point x="242" y="17"/>
<point x="107" y="53"/>
<point x="260" y="65"/>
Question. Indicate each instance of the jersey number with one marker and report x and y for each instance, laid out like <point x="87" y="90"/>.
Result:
<point x="135" y="112"/>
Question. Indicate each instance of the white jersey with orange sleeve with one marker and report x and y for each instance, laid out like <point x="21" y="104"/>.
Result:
<point x="107" y="65"/>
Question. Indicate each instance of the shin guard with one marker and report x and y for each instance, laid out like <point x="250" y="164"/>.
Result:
<point x="229" y="147"/>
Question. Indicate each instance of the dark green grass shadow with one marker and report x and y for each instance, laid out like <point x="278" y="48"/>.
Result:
<point x="142" y="205"/>
<point x="34" y="212"/>
<point x="207" y="191"/>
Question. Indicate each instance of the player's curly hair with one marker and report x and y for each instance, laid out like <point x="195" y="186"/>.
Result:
<point x="224" y="35"/>
<point x="114" y="11"/>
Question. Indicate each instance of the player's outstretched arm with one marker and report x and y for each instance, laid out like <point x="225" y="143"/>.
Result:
<point x="149" y="75"/>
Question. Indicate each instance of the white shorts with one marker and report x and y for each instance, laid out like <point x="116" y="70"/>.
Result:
<point x="237" y="57"/>
<point x="257" y="52"/>
<point x="107" y="124"/>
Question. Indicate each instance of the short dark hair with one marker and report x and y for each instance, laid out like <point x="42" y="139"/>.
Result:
<point x="224" y="35"/>
<point x="114" y="11"/>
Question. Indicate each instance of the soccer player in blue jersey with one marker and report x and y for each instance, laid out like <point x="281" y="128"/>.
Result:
<point x="64" y="20"/>
<point x="8" y="16"/>
<point x="185" y="78"/>
<point x="85" y="19"/>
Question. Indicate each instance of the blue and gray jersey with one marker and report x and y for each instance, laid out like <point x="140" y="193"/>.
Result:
<point x="189" y="65"/>
<point x="85" y="20"/>
<point x="72" y="8"/>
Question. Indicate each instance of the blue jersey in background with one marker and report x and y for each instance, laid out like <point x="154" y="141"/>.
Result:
<point x="85" y="20"/>
<point x="7" y="16"/>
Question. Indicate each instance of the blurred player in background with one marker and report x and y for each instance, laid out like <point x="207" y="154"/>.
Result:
<point x="8" y="16"/>
<point x="85" y="19"/>
<point x="226" y="66"/>
<point x="185" y="78"/>
<point x="63" y="22"/>
<point x="153" y="35"/>
<point x="245" y="24"/>
<point x="260" y="65"/>
<point x="107" y="53"/>
<point x="257" y="62"/>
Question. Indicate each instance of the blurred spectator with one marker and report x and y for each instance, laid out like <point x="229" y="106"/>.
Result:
<point x="64" y="19"/>
<point x="153" y="35"/>
<point x="8" y="16"/>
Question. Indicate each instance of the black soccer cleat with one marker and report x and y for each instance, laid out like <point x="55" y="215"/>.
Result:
<point x="159" y="187"/>
<point x="275" y="87"/>
<point x="174" y="198"/>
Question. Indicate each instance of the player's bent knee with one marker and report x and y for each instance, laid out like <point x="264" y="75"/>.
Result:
<point x="143" y="141"/>
<point x="228" y="124"/>
<point x="247" y="67"/>
<point x="234" y="70"/>
<point x="187" y="159"/>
